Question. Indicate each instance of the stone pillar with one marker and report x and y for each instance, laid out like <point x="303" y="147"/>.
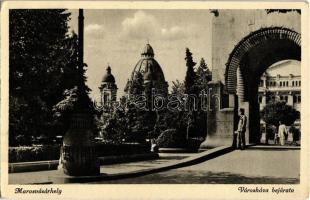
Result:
<point x="241" y="102"/>
<point x="264" y="99"/>
<point x="290" y="100"/>
<point x="220" y="120"/>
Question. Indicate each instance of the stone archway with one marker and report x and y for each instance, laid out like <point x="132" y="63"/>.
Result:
<point x="247" y="62"/>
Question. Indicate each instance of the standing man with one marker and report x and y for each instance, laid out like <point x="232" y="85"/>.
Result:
<point x="241" y="130"/>
<point x="282" y="132"/>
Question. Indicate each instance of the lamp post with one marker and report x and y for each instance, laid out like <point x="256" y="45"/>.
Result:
<point x="78" y="155"/>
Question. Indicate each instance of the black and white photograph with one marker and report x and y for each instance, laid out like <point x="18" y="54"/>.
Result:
<point x="139" y="95"/>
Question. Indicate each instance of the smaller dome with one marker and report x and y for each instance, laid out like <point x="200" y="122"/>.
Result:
<point x="148" y="51"/>
<point x="108" y="77"/>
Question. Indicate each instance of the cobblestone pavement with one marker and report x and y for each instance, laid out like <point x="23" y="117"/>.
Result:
<point x="238" y="167"/>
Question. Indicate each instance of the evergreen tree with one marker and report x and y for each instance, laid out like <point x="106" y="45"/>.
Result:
<point x="40" y="51"/>
<point x="203" y="74"/>
<point x="190" y="73"/>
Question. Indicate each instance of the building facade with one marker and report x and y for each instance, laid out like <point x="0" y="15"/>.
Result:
<point x="281" y="82"/>
<point x="244" y="45"/>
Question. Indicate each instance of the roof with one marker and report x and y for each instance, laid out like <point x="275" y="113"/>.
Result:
<point x="108" y="77"/>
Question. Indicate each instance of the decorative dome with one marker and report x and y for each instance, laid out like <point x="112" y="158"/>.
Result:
<point x="108" y="77"/>
<point x="150" y="70"/>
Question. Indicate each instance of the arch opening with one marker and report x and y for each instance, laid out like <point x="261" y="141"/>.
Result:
<point x="249" y="60"/>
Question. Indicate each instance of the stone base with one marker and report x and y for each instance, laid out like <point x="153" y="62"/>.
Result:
<point x="217" y="141"/>
<point x="177" y="150"/>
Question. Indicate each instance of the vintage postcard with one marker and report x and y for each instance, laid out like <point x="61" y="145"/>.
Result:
<point x="154" y="100"/>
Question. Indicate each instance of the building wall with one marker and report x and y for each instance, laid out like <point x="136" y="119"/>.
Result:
<point x="230" y="26"/>
<point x="228" y="29"/>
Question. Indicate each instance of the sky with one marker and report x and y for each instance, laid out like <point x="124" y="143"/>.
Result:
<point x="117" y="37"/>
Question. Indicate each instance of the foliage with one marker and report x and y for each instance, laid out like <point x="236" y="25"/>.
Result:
<point x="109" y="149"/>
<point x="113" y="126"/>
<point x="277" y="111"/>
<point x="296" y="133"/>
<point x="44" y="69"/>
<point x="136" y="87"/>
<point x="170" y="138"/>
<point x="40" y="55"/>
<point x="33" y="153"/>
<point x="190" y="73"/>
<point x="203" y="74"/>
<point x="140" y="123"/>
<point x="178" y="88"/>
<point x="49" y="152"/>
<point x="127" y="123"/>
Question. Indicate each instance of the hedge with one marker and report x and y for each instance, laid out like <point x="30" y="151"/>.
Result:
<point x="41" y="153"/>
<point x="33" y="153"/>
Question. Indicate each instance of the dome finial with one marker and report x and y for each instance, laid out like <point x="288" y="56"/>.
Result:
<point x="147" y="51"/>
<point x="109" y="69"/>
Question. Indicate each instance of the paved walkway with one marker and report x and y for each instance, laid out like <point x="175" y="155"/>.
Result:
<point x="251" y="166"/>
<point x="41" y="177"/>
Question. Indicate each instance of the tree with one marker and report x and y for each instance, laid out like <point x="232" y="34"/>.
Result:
<point x="113" y="126"/>
<point x="40" y="51"/>
<point x="177" y="88"/>
<point x="277" y="111"/>
<point x="190" y="73"/>
<point x="136" y="86"/>
<point x="203" y="74"/>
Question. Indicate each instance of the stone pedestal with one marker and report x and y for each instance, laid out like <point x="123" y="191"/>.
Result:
<point x="78" y="155"/>
<point x="220" y="120"/>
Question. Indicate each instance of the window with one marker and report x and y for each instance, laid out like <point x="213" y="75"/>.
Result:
<point x="299" y="99"/>
<point x="260" y="99"/>
<point x="286" y="98"/>
<point x="280" y="83"/>
<point x="105" y="98"/>
<point x="299" y="83"/>
<point x="286" y="83"/>
<point x="293" y="83"/>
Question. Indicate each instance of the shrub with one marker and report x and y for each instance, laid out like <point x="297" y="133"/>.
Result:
<point x="41" y="153"/>
<point x="121" y="149"/>
<point x="296" y="133"/>
<point x="194" y="143"/>
<point x="33" y="153"/>
<point x="171" y="138"/>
